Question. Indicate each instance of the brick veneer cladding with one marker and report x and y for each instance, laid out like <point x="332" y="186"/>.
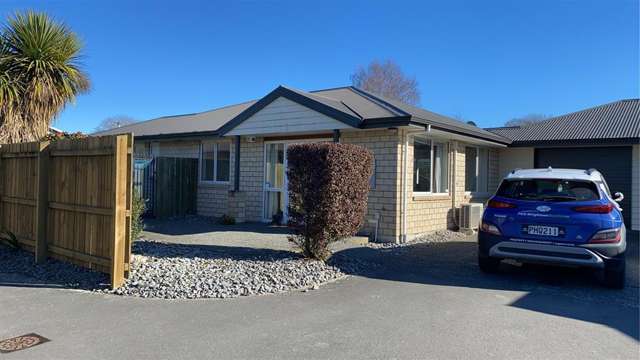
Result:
<point x="384" y="200"/>
<point x="425" y="213"/>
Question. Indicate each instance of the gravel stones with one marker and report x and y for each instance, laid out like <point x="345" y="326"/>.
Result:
<point x="178" y="271"/>
<point x="438" y="236"/>
<point x="51" y="272"/>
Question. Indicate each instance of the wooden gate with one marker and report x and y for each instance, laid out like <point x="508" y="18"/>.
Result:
<point x="176" y="186"/>
<point x="71" y="200"/>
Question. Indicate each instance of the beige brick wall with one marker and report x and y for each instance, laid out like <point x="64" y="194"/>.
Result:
<point x="213" y="199"/>
<point x="424" y="213"/>
<point x="432" y="212"/>
<point x="384" y="199"/>
<point x="251" y="179"/>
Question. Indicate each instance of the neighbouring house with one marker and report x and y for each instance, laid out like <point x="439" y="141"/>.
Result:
<point x="605" y="137"/>
<point x="426" y="164"/>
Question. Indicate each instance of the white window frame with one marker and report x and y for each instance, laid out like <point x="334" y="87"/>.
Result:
<point x="215" y="164"/>
<point x="476" y="192"/>
<point x="431" y="153"/>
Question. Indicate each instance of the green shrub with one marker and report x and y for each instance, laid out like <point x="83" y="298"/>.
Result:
<point x="138" y="209"/>
<point x="227" y="220"/>
<point x="328" y="189"/>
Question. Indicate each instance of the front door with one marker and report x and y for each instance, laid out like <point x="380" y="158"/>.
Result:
<point x="276" y="196"/>
<point x="275" y="187"/>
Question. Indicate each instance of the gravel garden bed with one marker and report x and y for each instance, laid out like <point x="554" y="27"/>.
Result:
<point x="51" y="272"/>
<point x="179" y="271"/>
<point x="438" y="236"/>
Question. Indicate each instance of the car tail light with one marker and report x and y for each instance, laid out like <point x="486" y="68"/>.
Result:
<point x="489" y="228"/>
<point x="496" y="204"/>
<point x="594" y="209"/>
<point x="609" y="236"/>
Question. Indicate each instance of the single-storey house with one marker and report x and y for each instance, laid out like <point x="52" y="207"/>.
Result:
<point x="605" y="137"/>
<point x="426" y="164"/>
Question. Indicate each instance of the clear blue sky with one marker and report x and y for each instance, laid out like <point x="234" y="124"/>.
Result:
<point x="486" y="61"/>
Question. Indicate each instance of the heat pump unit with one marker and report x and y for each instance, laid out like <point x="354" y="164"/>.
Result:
<point x="470" y="216"/>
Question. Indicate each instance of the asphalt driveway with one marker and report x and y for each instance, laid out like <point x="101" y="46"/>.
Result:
<point x="420" y="301"/>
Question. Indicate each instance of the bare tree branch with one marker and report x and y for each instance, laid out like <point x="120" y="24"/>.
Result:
<point x="527" y="120"/>
<point x="387" y="79"/>
<point x="115" y="122"/>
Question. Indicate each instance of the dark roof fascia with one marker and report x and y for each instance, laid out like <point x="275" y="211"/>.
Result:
<point x="574" y="142"/>
<point x="395" y="121"/>
<point x="464" y="133"/>
<point x="281" y="91"/>
<point x="177" y="135"/>
<point x="387" y="122"/>
<point x="455" y="130"/>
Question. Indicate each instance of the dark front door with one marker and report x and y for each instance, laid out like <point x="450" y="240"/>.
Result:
<point x="613" y="162"/>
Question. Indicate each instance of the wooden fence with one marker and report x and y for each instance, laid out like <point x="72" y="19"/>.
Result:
<point x="71" y="200"/>
<point x="176" y="186"/>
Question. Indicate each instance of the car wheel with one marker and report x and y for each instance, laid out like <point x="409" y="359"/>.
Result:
<point x="488" y="264"/>
<point x="614" y="272"/>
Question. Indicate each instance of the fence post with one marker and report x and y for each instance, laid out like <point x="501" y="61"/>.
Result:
<point x="42" y="204"/>
<point x="129" y="206"/>
<point x="119" y="171"/>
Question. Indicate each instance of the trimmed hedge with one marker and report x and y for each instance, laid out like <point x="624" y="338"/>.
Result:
<point x="328" y="189"/>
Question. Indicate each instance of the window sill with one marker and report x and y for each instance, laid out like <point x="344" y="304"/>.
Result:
<point x="431" y="197"/>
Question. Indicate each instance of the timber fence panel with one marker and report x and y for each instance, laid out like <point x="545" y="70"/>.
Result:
<point x="71" y="200"/>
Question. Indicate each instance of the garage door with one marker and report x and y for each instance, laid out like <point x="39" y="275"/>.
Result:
<point x="613" y="162"/>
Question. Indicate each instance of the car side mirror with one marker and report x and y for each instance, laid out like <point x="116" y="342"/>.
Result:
<point x="618" y="197"/>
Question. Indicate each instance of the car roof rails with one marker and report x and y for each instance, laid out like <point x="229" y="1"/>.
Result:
<point x="590" y="171"/>
<point x="514" y="170"/>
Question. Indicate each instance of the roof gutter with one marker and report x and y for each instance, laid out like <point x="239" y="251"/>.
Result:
<point x="395" y="121"/>
<point x="574" y="142"/>
<point x="177" y="135"/>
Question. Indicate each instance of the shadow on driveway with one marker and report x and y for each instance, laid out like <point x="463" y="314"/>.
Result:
<point x="200" y="225"/>
<point x="566" y="292"/>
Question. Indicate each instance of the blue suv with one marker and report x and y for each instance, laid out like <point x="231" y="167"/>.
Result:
<point x="555" y="216"/>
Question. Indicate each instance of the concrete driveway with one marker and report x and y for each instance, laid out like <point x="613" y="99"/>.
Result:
<point x="421" y="301"/>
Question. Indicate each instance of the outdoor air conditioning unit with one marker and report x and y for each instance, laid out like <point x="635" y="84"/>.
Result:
<point x="470" y="216"/>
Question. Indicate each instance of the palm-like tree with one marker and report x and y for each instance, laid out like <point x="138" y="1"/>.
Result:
<point x="39" y="75"/>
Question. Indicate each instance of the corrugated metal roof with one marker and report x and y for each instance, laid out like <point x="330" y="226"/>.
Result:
<point x="208" y="121"/>
<point x="616" y="121"/>
<point x="351" y="101"/>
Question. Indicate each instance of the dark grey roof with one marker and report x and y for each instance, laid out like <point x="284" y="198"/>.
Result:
<point x="616" y="122"/>
<point x="204" y="122"/>
<point x="354" y="106"/>
<point x="422" y="116"/>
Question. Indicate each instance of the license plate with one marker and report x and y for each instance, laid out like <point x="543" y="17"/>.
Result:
<point x="542" y="230"/>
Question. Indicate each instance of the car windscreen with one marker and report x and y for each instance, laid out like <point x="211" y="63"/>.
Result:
<point x="548" y="190"/>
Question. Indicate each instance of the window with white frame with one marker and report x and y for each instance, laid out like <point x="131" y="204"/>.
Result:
<point x="215" y="162"/>
<point x="476" y="169"/>
<point x="430" y="166"/>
